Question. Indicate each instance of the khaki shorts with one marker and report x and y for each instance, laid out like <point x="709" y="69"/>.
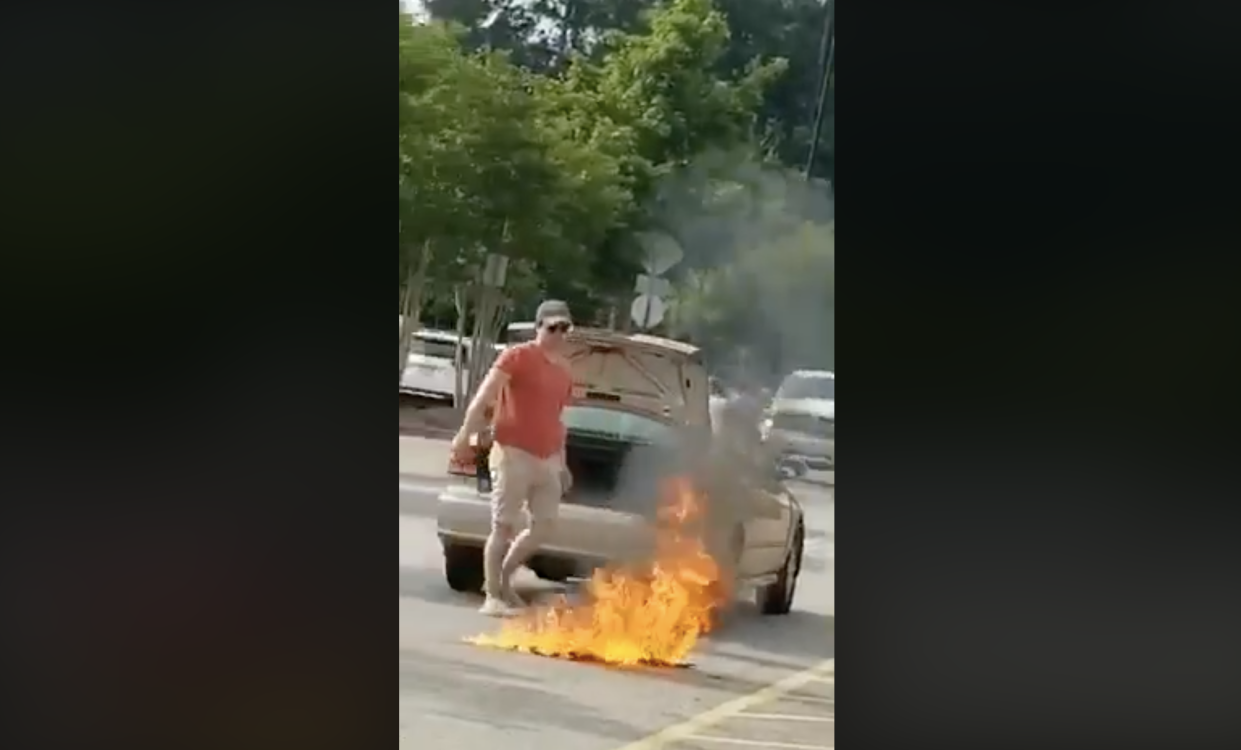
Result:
<point x="523" y="481"/>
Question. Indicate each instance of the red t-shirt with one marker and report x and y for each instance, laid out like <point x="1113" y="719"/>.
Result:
<point x="527" y="415"/>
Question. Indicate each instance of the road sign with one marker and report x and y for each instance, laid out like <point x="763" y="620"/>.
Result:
<point x="647" y="311"/>
<point x="661" y="252"/>
<point x="652" y="286"/>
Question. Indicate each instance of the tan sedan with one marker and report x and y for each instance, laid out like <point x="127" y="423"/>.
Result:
<point x="639" y="402"/>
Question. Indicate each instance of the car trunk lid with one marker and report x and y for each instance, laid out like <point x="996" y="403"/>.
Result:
<point x="643" y="374"/>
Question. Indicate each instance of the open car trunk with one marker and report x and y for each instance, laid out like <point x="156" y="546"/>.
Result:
<point x="614" y="474"/>
<point x="644" y="389"/>
<point x="619" y="461"/>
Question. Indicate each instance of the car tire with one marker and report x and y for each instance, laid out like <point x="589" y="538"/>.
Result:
<point x="777" y="598"/>
<point x="791" y="468"/>
<point x="555" y="572"/>
<point x="463" y="568"/>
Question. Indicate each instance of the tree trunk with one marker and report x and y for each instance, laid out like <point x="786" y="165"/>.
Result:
<point x="411" y="307"/>
<point x="480" y="342"/>
<point x="461" y="300"/>
<point x="489" y="316"/>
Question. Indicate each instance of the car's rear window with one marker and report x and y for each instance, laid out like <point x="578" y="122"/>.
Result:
<point x="621" y="425"/>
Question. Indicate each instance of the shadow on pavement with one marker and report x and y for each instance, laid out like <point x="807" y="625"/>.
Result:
<point x="475" y="693"/>
<point x="793" y="641"/>
<point x="428" y="585"/>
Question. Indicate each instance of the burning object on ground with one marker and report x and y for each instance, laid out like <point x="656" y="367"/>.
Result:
<point x="648" y="614"/>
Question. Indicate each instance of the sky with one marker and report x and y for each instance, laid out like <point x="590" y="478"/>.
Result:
<point x="414" y="7"/>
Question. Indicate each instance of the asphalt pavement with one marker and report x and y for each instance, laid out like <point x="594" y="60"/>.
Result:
<point x="760" y="682"/>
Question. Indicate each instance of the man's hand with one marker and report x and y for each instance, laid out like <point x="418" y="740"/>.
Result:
<point x="566" y="480"/>
<point x="461" y="445"/>
<point x="476" y="416"/>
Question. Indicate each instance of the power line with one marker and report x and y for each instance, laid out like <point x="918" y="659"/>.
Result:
<point x="827" y="65"/>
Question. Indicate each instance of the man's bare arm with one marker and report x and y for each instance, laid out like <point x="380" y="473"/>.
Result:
<point x="475" y="414"/>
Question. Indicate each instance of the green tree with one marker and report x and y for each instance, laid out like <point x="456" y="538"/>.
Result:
<point x="544" y="34"/>
<point x="567" y="172"/>
<point x="661" y="90"/>
<point x="493" y="160"/>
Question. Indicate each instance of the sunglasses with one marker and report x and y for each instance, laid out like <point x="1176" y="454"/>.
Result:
<point x="560" y="327"/>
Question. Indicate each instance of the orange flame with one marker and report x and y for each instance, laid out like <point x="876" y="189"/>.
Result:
<point x="650" y="615"/>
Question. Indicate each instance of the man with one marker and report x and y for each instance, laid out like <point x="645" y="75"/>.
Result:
<point x="530" y="384"/>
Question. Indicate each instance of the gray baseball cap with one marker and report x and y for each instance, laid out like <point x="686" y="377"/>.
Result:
<point x="553" y="311"/>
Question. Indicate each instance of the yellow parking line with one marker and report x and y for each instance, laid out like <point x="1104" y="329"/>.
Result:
<point x="785" y="717"/>
<point x="707" y="719"/>
<point x="812" y="699"/>
<point x="756" y="743"/>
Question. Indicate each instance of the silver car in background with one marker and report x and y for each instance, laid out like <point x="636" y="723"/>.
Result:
<point x="801" y="421"/>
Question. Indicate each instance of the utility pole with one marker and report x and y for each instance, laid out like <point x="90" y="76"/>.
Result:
<point x="827" y="65"/>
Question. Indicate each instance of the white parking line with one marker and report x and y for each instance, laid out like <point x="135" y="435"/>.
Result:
<point x="785" y="717"/>
<point x="755" y="743"/>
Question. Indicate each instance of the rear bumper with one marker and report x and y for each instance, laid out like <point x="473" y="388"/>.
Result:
<point x="586" y="537"/>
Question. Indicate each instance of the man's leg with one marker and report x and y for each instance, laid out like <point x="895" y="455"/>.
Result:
<point x="510" y="481"/>
<point x="498" y="543"/>
<point x="543" y="503"/>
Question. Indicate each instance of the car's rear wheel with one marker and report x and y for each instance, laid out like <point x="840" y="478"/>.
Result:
<point x="777" y="598"/>
<point x="463" y="567"/>
<point x="555" y="571"/>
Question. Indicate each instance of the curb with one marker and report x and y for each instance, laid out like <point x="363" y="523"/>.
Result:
<point x="435" y="433"/>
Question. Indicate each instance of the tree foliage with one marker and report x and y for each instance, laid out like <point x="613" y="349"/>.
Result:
<point x="544" y="35"/>
<point x="561" y="133"/>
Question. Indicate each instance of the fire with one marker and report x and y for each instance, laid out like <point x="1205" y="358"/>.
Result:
<point x="649" y="615"/>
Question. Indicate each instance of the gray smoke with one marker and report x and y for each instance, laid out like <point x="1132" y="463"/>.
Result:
<point x="757" y="286"/>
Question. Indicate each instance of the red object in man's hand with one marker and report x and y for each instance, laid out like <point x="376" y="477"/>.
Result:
<point x="464" y="460"/>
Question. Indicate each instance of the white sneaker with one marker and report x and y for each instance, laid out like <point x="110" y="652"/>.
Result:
<point x="496" y="607"/>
